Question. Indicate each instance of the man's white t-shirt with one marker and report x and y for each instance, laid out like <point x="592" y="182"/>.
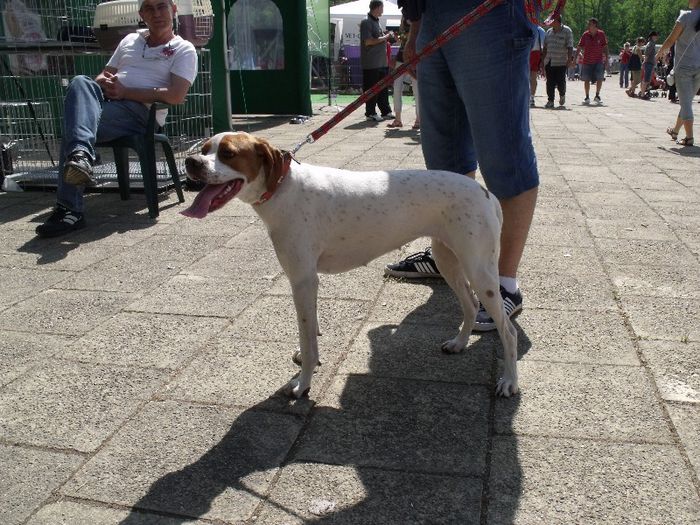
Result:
<point x="141" y="66"/>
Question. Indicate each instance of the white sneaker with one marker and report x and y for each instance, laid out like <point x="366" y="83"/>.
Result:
<point x="586" y="101"/>
<point x="374" y="118"/>
<point x="388" y="116"/>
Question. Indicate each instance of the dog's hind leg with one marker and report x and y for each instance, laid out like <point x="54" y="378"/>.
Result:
<point x="305" y="292"/>
<point x="453" y="273"/>
<point x="486" y="285"/>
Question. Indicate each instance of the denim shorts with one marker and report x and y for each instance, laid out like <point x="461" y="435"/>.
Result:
<point x="593" y="72"/>
<point x="647" y="71"/>
<point x="475" y="93"/>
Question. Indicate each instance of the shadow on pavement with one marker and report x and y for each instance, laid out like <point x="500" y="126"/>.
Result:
<point x="419" y="440"/>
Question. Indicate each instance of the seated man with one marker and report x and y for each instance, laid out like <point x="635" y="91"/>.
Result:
<point x="151" y="65"/>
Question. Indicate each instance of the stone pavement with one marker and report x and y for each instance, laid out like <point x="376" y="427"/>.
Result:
<point x="139" y="359"/>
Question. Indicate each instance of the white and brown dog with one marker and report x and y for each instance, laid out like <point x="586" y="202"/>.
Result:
<point x="329" y="220"/>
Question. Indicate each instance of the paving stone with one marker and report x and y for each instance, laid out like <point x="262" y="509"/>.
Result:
<point x="220" y="226"/>
<point x="543" y="480"/>
<point x="575" y="288"/>
<point x="54" y="255"/>
<point x="233" y="371"/>
<point x="575" y="337"/>
<point x="621" y="198"/>
<point x="255" y="236"/>
<point x="68" y="312"/>
<point x="310" y="492"/>
<point x="643" y="252"/>
<point x="656" y="281"/>
<point x="676" y="368"/>
<point x="72" y="405"/>
<point x="135" y="269"/>
<point x="19" y="283"/>
<point x="663" y="318"/>
<point x="400" y="424"/>
<point x="29" y="476"/>
<point x="19" y="351"/>
<point x="412" y="351"/>
<point x="199" y="461"/>
<point x="630" y="229"/>
<point x="229" y="263"/>
<point x="422" y="301"/>
<point x="205" y="296"/>
<point x="686" y="419"/>
<point x="71" y="513"/>
<point x="273" y="318"/>
<point x="583" y="401"/>
<point x="361" y="283"/>
<point x="143" y="339"/>
<point x="556" y="235"/>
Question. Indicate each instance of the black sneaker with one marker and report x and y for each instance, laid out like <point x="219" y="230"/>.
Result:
<point x="61" y="221"/>
<point x="512" y="302"/>
<point x="597" y="99"/>
<point x="78" y="169"/>
<point x="416" y="266"/>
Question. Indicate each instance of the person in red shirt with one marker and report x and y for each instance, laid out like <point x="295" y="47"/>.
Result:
<point x="625" y="55"/>
<point x="594" y="45"/>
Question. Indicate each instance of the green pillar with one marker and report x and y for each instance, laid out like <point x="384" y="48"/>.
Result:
<point x="220" y="79"/>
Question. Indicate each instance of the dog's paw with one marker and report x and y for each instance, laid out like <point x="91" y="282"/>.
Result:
<point x="295" y="389"/>
<point x="453" y="346"/>
<point x="506" y="387"/>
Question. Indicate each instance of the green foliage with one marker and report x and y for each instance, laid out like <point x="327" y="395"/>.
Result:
<point x="624" y="20"/>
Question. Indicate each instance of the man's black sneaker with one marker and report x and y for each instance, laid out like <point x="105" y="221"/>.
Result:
<point x="512" y="302"/>
<point x="416" y="266"/>
<point x="78" y="169"/>
<point x="61" y="221"/>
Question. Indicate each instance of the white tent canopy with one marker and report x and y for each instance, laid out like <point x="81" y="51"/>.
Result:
<point x="353" y="13"/>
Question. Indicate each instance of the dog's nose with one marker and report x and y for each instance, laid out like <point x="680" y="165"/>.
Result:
<point x="192" y="163"/>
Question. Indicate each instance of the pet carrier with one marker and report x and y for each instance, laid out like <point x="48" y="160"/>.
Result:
<point x="116" y="19"/>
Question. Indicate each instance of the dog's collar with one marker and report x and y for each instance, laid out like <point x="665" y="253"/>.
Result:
<point x="287" y="159"/>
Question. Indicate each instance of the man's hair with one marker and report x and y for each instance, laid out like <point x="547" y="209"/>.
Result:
<point x="653" y="33"/>
<point x="627" y="44"/>
<point x="593" y="21"/>
<point x="640" y="39"/>
<point x="374" y="4"/>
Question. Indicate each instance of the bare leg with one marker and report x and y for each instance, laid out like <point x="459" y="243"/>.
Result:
<point x="598" y="85"/>
<point x="587" y="88"/>
<point x="517" y="217"/>
<point x="688" y="126"/>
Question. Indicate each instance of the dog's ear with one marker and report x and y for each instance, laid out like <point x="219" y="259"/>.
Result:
<point x="272" y="162"/>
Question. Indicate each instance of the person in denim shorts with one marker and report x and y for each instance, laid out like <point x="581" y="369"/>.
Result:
<point x="474" y="109"/>
<point x="594" y="45"/>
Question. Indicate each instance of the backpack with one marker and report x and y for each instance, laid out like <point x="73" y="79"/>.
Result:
<point x="635" y="63"/>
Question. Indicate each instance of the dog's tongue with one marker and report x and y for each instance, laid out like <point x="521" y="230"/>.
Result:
<point x="202" y="202"/>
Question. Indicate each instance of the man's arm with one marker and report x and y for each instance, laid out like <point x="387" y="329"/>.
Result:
<point x="374" y="41"/>
<point x="173" y="94"/>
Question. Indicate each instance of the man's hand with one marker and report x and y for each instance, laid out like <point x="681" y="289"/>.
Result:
<point x="113" y="89"/>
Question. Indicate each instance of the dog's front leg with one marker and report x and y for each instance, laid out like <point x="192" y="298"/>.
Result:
<point x="305" y="292"/>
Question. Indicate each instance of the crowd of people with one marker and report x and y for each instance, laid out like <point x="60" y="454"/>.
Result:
<point x="642" y="67"/>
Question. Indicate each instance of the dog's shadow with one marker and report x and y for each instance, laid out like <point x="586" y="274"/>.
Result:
<point x="427" y="433"/>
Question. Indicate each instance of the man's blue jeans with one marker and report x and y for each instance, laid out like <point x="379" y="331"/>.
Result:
<point x="89" y="118"/>
<point x="624" y="75"/>
<point x="475" y="94"/>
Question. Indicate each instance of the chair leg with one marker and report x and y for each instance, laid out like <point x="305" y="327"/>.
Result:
<point x="172" y="166"/>
<point x="121" y="161"/>
<point x="150" y="183"/>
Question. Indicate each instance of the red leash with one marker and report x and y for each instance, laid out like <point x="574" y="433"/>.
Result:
<point x="433" y="46"/>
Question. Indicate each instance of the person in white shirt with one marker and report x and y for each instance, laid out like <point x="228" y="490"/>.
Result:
<point x="151" y="65"/>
